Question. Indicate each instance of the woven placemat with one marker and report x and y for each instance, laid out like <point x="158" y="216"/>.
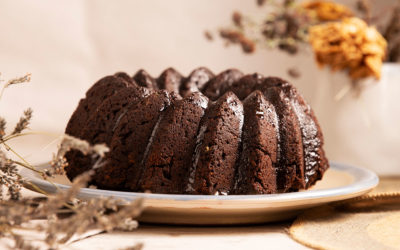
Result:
<point x="368" y="222"/>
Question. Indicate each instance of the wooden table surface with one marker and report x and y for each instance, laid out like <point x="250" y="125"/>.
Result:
<point x="271" y="236"/>
<point x="268" y="236"/>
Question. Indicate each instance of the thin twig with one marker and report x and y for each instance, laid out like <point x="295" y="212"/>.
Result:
<point x="9" y="137"/>
<point x="25" y="78"/>
<point x="29" y="166"/>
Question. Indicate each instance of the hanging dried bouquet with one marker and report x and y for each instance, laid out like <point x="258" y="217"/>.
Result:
<point x="340" y="38"/>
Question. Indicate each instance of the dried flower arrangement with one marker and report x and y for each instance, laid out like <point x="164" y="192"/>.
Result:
<point x="62" y="216"/>
<point x="338" y="38"/>
<point x="349" y="45"/>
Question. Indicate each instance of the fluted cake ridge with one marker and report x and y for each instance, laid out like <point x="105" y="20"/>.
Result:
<point x="229" y="133"/>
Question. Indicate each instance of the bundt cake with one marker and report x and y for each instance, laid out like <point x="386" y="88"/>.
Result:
<point x="203" y="134"/>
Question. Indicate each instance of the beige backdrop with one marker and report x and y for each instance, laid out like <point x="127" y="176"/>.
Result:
<point x="69" y="45"/>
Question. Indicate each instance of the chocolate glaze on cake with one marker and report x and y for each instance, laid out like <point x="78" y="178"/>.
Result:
<point x="221" y="83"/>
<point x="99" y="92"/>
<point x="203" y="134"/>
<point x="143" y="79"/>
<point x="290" y="169"/>
<point x="135" y="128"/>
<point x="312" y="139"/>
<point x="170" y="80"/>
<point x="168" y="159"/>
<point x="246" y="85"/>
<point x="126" y="77"/>
<point x="214" y="160"/>
<point x="195" y="81"/>
<point x="260" y="147"/>
<point x="100" y="126"/>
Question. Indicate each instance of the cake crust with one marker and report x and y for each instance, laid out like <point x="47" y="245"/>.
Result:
<point x="256" y="169"/>
<point x="202" y="134"/>
<point x="167" y="162"/>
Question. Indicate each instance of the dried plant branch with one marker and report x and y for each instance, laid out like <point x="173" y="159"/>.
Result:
<point x="100" y="215"/>
<point x="364" y="6"/>
<point x="68" y="142"/>
<point x="392" y="35"/>
<point x="284" y="27"/>
<point x="9" y="178"/>
<point x="12" y="136"/>
<point x="289" y="24"/>
<point x="23" y="79"/>
<point x="337" y="44"/>
<point x="21" y="243"/>
<point x="2" y="127"/>
<point x="25" y="163"/>
<point x="23" y="122"/>
<point x="96" y="214"/>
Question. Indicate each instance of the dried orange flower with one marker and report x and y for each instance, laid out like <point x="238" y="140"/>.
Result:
<point x="327" y="11"/>
<point x="349" y="44"/>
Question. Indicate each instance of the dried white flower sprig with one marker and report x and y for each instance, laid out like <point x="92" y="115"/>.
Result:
<point x="17" y="80"/>
<point x="102" y="215"/>
<point x="68" y="142"/>
<point x="9" y="177"/>
<point x="66" y="216"/>
<point x="23" y="122"/>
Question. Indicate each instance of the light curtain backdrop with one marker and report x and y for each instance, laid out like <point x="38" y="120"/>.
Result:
<point x="68" y="45"/>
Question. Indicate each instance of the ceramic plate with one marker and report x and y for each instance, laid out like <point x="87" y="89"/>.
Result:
<point x="340" y="182"/>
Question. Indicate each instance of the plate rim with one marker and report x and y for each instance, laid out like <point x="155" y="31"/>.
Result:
<point x="363" y="180"/>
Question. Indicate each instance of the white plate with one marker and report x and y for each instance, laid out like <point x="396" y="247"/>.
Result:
<point x="340" y="182"/>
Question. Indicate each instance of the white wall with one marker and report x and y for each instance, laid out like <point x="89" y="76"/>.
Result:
<point x="69" y="45"/>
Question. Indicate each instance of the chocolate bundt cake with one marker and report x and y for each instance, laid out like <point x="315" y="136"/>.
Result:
<point x="202" y="134"/>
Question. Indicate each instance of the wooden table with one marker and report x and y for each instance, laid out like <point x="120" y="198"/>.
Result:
<point x="268" y="236"/>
